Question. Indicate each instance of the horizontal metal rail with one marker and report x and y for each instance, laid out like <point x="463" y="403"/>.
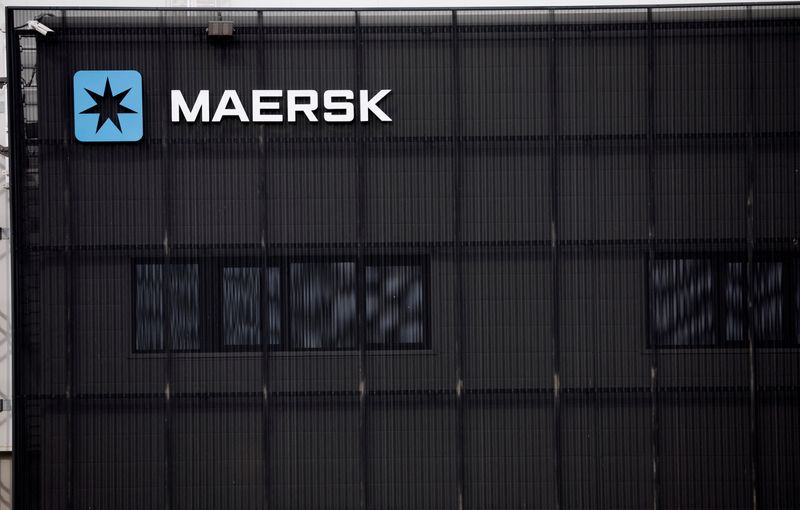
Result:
<point x="654" y="6"/>
<point x="544" y="391"/>
<point x="733" y="136"/>
<point x="707" y="245"/>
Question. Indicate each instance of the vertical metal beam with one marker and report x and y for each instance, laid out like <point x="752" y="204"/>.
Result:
<point x="651" y="236"/>
<point x="554" y="265"/>
<point x="751" y="346"/>
<point x="166" y="292"/>
<point x="69" y="388"/>
<point x="590" y="152"/>
<point x="459" y="253"/>
<point x="17" y="150"/>
<point x="361" y="288"/>
<point x="265" y="401"/>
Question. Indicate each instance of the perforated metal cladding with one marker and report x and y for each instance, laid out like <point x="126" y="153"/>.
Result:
<point x="528" y="290"/>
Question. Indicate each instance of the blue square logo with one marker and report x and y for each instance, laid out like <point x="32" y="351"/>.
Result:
<point x="108" y="106"/>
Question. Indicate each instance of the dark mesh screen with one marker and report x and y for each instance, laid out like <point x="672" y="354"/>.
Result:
<point x="564" y="276"/>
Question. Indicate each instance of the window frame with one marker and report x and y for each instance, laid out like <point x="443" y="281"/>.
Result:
<point x="423" y="263"/>
<point x="790" y="263"/>
<point x="216" y="302"/>
<point x="200" y="288"/>
<point x="286" y="301"/>
<point x="211" y="328"/>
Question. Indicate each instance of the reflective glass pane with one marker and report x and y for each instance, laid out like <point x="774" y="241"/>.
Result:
<point x="273" y="306"/>
<point x="768" y="300"/>
<point x="735" y="303"/>
<point x="149" y="308"/>
<point x="185" y="309"/>
<point x="394" y="301"/>
<point x="683" y="302"/>
<point x="323" y="305"/>
<point x="241" y="296"/>
<point x="241" y="290"/>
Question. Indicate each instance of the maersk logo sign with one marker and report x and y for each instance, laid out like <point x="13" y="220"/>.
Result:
<point x="270" y="106"/>
<point x="108" y="106"/>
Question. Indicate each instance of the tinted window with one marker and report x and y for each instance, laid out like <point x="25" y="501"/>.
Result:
<point x="183" y="297"/>
<point x="703" y="302"/>
<point x="245" y="309"/>
<point x="394" y="306"/>
<point x="323" y="306"/>
<point x="149" y="308"/>
<point x="768" y="301"/>
<point x="683" y="302"/>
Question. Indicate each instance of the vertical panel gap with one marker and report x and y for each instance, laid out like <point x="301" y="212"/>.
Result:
<point x="554" y="264"/>
<point x="651" y="236"/>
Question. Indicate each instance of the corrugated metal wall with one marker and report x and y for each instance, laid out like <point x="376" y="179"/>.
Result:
<point x="565" y="276"/>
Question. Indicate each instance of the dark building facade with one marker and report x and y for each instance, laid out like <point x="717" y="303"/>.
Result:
<point x="565" y="275"/>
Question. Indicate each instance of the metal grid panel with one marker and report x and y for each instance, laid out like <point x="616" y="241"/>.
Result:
<point x="541" y="167"/>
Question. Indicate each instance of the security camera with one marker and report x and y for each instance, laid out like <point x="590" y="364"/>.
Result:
<point x="39" y="27"/>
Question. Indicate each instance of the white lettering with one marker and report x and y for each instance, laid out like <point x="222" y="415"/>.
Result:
<point x="266" y="106"/>
<point x="293" y="107"/>
<point x="260" y="106"/>
<point x="331" y="105"/>
<point x="236" y="110"/>
<point x="368" y="104"/>
<point x="201" y="107"/>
